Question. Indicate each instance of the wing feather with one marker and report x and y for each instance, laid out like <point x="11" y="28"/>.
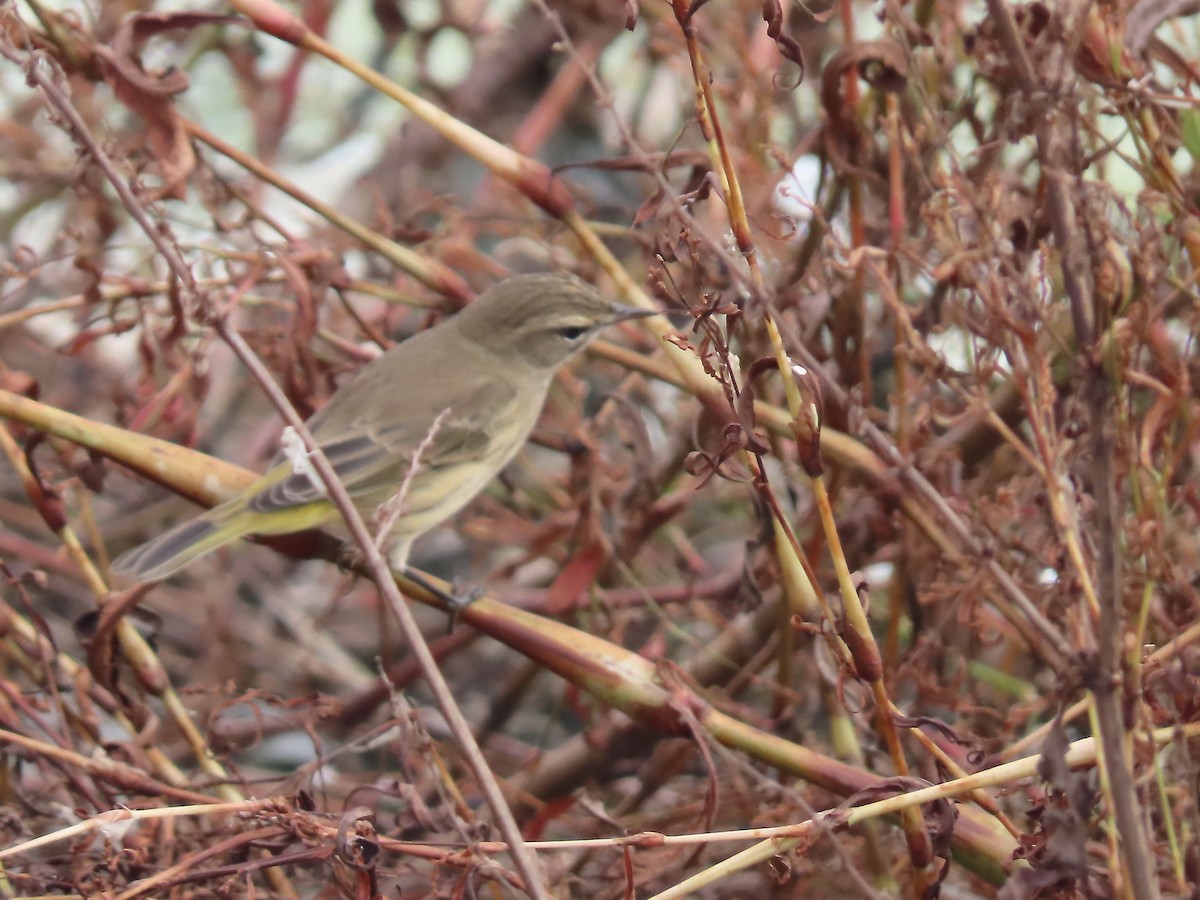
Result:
<point x="370" y="458"/>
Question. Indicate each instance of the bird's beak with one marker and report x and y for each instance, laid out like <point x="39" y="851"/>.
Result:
<point x="625" y="313"/>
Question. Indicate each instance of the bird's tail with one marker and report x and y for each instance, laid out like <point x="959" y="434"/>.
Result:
<point x="175" y="548"/>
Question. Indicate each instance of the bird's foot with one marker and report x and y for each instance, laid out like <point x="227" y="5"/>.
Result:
<point x="455" y="600"/>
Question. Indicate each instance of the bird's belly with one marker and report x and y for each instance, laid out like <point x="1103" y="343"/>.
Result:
<point x="435" y="495"/>
<point x="432" y="500"/>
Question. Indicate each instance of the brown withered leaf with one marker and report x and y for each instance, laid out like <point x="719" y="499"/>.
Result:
<point x="883" y="65"/>
<point x="1057" y="851"/>
<point x="649" y="208"/>
<point x="575" y="577"/>
<point x="745" y="406"/>
<point x="940" y="815"/>
<point x="44" y="496"/>
<point x="357" y="843"/>
<point x="151" y="94"/>
<point x="92" y="472"/>
<point x="789" y="47"/>
<point x="972" y="750"/>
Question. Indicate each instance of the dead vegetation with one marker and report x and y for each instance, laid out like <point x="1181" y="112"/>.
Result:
<point x="903" y="494"/>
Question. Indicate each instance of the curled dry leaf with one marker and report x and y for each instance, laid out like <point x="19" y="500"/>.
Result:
<point x="882" y="64"/>
<point x="789" y="47"/>
<point x="357" y="844"/>
<point x="940" y="815"/>
<point x="151" y="94"/>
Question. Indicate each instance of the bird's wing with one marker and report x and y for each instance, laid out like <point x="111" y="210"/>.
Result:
<point x="370" y="456"/>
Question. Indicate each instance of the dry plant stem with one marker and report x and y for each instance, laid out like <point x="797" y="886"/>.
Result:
<point x="34" y="646"/>
<point x="150" y="671"/>
<point x="722" y="162"/>
<point x="1080" y="754"/>
<point x="105" y="820"/>
<point x="524" y="860"/>
<point x="791" y="556"/>
<point x="858" y="228"/>
<point x="903" y="392"/>
<point x="1168" y="814"/>
<point x="802" y="599"/>
<point x="429" y="272"/>
<point x="802" y="581"/>
<point x="869" y="665"/>
<point x="1049" y="642"/>
<point x="1067" y="524"/>
<point x="36" y="75"/>
<point x="120" y="775"/>
<point x="19" y="316"/>
<point x="1139" y="862"/>
<point x="181" y="870"/>
<point x="533" y="179"/>
<point x="202" y="478"/>
<point x="113" y="294"/>
<point x="1108" y="692"/>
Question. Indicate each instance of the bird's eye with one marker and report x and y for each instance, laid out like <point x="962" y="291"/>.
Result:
<point x="573" y="332"/>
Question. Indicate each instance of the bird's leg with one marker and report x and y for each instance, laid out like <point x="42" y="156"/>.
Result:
<point x="398" y="556"/>
<point x="454" y="600"/>
<point x="457" y="600"/>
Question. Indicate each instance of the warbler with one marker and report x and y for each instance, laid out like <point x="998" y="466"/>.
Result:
<point x="440" y="413"/>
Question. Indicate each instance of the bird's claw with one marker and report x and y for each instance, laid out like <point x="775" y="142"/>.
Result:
<point x="455" y="600"/>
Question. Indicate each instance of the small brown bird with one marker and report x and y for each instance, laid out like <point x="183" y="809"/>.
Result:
<point x="469" y="389"/>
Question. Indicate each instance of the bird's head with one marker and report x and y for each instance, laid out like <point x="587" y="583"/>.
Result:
<point x="542" y="320"/>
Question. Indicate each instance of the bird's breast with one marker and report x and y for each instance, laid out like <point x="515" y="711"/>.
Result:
<point x="438" y="490"/>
